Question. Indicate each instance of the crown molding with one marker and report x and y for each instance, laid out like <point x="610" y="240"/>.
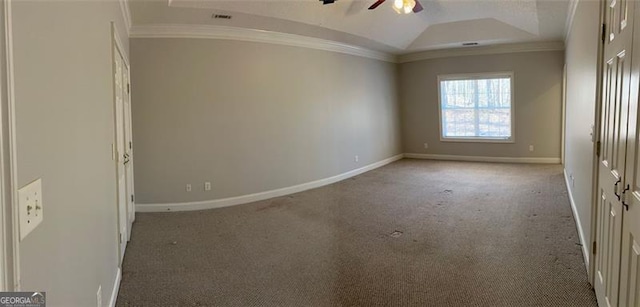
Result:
<point x="482" y="50"/>
<point x="253" y="35"/>
<point x="279" y="38"/>
<point x="126" y="15"/>
<point x="573" y="5"/>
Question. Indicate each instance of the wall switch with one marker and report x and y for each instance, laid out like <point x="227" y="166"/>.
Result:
<point x="188" y="188"/>
<point x="207" y="186"/>
<point x="530" y="147"/>
<point x="356" y="159"/>
<point x="99" y="296"/>
<point x="426" y="145"/>
<point x="30" y="207"/>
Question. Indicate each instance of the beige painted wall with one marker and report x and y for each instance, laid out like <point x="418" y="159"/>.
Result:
<point x="581" y="57"/>
<point x="64" y="118"/>
<point x="538" y="89"/>
<point x="252" y="117"/>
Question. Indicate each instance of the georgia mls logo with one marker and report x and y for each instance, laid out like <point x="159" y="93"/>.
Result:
<point x="37" y="298"/>
<point x="22" y="299"/>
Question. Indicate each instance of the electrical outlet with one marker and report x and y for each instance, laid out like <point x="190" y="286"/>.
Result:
<point x="99" y="296"/>
<point x="207" y="186"/>
<point x="426" y="145"/>
<point x="356" y="158"/>
<point x="530" y="147"/>
<point x="188" y="188"/>
<point x="30" y="207"/>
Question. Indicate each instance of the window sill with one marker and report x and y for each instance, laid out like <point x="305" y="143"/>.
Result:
<point x="477" y="140"/>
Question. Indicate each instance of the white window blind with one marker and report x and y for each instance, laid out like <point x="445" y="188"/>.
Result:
<point x="476" y="107"/>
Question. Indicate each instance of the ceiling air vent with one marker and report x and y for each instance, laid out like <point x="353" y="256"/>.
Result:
<point x="469" y="44"/>
<point x="221" y="16"/>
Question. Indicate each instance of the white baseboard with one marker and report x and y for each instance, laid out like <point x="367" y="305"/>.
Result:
<point x="226" y="202"/>
<point x="116" y="288"/>
<point x="585" y="246"/>
<point x="483" y="159"/>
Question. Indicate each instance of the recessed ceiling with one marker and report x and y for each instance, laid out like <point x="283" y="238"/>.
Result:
<point x="442" y="23"/>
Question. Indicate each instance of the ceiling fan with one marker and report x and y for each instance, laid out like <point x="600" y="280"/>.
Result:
<point x="401" y="6"/>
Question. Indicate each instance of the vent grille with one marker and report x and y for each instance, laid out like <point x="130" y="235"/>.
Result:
<point x="221" y="16"/>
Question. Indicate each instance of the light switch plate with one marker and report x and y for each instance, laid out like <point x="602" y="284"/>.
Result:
<point x="30" y="207"/>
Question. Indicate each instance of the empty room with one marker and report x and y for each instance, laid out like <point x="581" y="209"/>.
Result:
<point x="319" y="153"/>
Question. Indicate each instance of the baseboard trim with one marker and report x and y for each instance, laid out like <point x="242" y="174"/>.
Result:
<point x="116" y="289"/>
<point x="483" y="159"/>
<point x="574" y="209"/>
<point x="238" y="200"/>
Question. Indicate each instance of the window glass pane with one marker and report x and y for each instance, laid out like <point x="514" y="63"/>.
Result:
<point x="459" y="122"/>
<point x="476" y="108"/>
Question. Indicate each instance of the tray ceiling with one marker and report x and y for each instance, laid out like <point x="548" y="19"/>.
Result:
<point x="442" y="24"/>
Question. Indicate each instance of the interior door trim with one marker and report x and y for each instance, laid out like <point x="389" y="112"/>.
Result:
<point x="595" y="159"/>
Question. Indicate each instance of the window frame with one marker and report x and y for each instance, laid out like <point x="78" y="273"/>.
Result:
<point x="475" y="76"/>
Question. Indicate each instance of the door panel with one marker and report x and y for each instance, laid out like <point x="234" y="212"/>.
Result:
<point x="629" y="283"/>
<point x="613" y="167"/>
<point x="624" y="10"/>
<point x="128" y="165"/>
<point x="608" y="253"/>
<point x="120" y="151"/>
<point x="607" y="114"/>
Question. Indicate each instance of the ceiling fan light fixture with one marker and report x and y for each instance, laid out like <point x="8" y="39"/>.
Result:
<point x="404" y="6"/>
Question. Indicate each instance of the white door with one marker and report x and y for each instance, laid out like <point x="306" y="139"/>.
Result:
<point x="613" y="138"/>
<point x="120" y="147"/>
<point x="128" y="163"/>
<point x="630" y="254"/>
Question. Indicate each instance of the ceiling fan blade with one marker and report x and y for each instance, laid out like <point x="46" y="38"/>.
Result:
<point x="418" y="7"/>
<point x="375" y="5"/>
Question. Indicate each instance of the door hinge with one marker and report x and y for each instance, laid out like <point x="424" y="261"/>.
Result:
<point x="131" y="197"/>
<point x="130" y="145"/>
<point x="128" y="88"/>
<point x="598" y="145"/>
<point x="120" y="238"/>
<point x="604" y="33"/>
<point x="593" y="248"/>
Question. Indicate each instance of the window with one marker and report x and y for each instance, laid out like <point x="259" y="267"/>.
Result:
<point x="476" y="107"/>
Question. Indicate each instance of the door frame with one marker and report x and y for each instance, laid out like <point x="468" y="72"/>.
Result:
<point x="596" y="130"/>
<point x="117" y="46"/>
<point x="564" y="114"/>
<point x="9" y="233"/>
<point x="3" y="204"/>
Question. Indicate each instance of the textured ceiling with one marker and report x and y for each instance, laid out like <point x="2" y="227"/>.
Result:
<point x="442" y="24"/>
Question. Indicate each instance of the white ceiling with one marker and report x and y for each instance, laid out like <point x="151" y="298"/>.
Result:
<point x="442" y="23"/>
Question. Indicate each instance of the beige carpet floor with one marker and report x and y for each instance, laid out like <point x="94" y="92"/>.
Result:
<point x="412" y="233"/>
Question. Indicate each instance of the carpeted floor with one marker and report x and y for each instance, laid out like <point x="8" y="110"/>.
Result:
<point x="412" y="233"/>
